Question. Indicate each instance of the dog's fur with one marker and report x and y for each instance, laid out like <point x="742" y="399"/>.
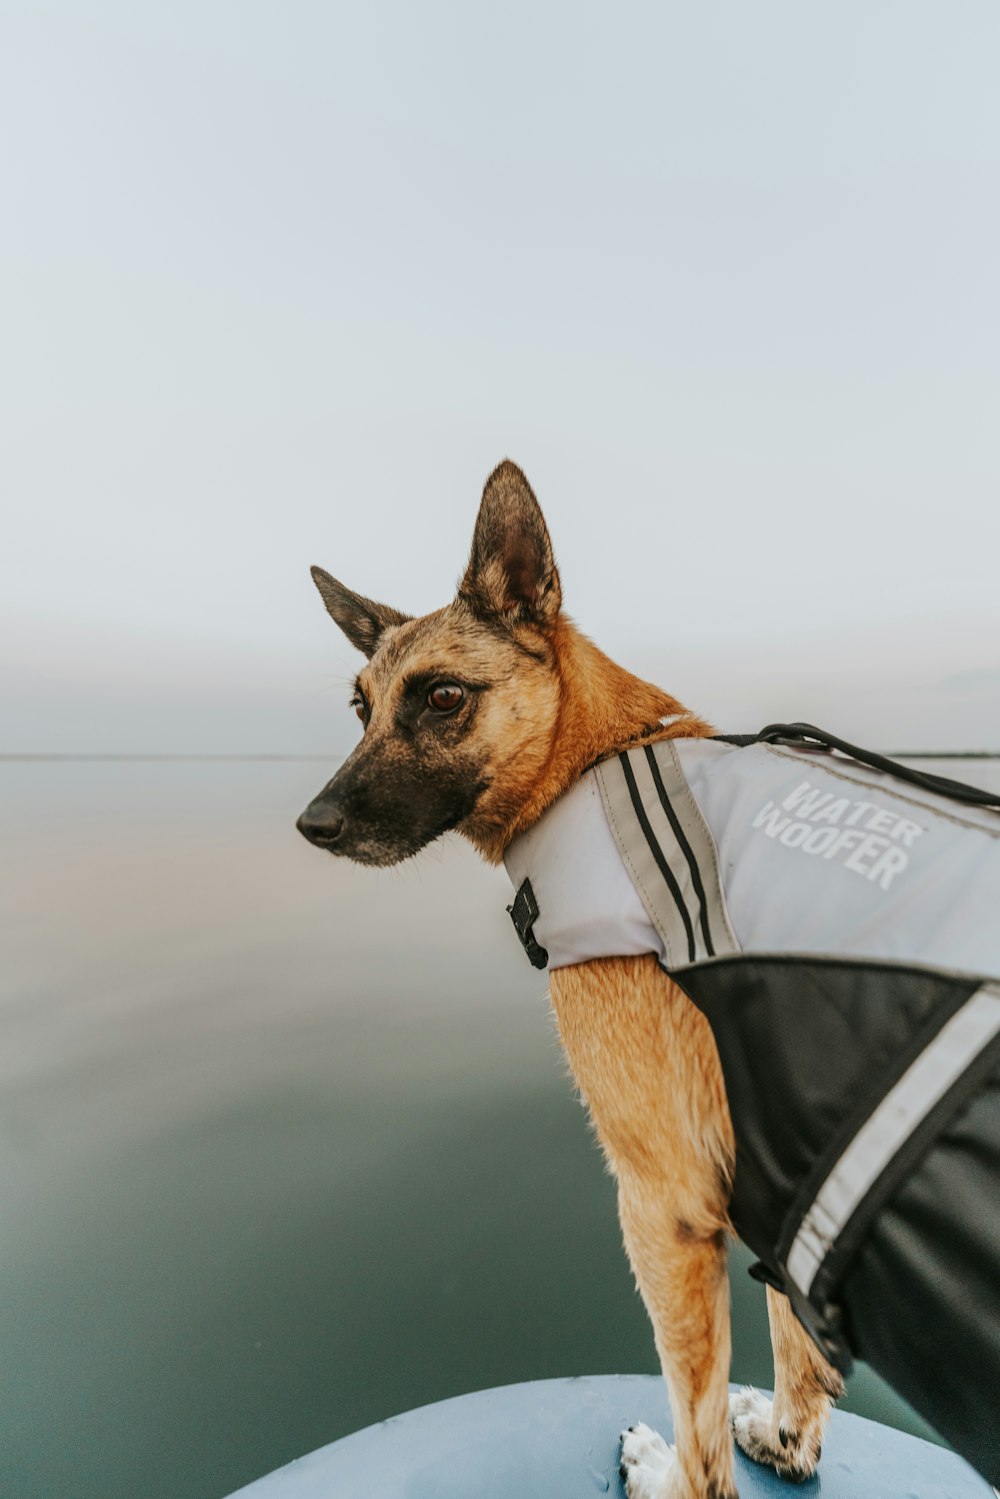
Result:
<point x="540" y="704"/>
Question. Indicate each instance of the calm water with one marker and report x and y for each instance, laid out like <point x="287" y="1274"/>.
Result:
<point x="287" y="1146"/>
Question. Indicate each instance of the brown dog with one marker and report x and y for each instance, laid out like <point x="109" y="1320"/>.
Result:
<point x="477" y="717"/>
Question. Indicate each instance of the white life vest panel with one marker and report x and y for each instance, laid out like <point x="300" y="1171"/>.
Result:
<point x="694" y="848"/>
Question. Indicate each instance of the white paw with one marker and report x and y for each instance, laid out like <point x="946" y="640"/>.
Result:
<point x="764" y="1437"/>
<point x="751" y="1415"/>
<point x="647" y="1463"/>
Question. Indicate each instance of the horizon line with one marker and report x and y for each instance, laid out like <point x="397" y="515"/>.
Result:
<point x="152" y="755"/>
<point x="266" y="755"/>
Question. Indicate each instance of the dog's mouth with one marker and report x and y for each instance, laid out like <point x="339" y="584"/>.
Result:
<point x="384" y="818"/>
<point x="364" y="848"/>
<point x="369" y="844"/>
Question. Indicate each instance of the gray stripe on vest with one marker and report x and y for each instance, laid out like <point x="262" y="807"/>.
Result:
<point x="701" y="843"/>
<point x="640" y="862"/>
<point x="925" y="1082"/>
<point x="681" y="927"/>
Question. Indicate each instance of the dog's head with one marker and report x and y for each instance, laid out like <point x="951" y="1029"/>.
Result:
<point x="460" y="706"/>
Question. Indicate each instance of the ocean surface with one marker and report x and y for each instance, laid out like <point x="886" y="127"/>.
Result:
<point x="287" y="1146"/>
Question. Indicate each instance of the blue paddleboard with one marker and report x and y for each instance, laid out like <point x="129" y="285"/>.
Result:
<point x="558" y="1439"/>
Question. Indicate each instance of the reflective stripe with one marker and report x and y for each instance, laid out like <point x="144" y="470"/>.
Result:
<point x="886" y="1131"/>
<point x="697" y="843"/>
<point x="638" y="858"/>
<point x="668" y="850"/>
<point x="659" y="858"/>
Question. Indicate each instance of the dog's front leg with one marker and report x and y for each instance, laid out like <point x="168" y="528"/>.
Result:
<point x="787" y="1433"/>
<point x="647" y="1066"/>
<point x="681" y="1275"/>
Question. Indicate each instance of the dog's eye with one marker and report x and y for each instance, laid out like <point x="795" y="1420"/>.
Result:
<point x="446" y="697"/>
<point x="358" y="707"/>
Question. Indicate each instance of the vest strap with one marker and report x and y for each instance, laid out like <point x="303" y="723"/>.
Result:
<point x="807" y="733"/>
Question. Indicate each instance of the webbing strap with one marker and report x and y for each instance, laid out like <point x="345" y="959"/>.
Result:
<point x="805" y="733"/>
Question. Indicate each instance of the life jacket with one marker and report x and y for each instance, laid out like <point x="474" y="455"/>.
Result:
<point x="836" y="916"/>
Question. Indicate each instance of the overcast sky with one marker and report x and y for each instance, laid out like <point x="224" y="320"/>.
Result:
<point x="282" y="282"/>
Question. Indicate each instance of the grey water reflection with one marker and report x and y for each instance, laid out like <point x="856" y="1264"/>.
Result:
<point x="287" y="1146"/>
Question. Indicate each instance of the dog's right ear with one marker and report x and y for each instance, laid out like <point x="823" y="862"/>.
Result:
<point x="361" y="619"/>
<point x="512" y="570"/>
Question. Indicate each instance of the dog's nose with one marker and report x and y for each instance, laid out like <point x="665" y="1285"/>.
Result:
<point x="321" y="824"/>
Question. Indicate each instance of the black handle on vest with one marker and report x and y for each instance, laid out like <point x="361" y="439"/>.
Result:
<point x="801" y="733"/>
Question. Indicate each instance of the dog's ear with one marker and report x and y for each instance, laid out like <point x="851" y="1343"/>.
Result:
<point x="361" y="619"/>
<point x="512" y="571"/>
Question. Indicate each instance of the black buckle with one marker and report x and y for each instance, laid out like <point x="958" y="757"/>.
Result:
<point x="523" y="913"/>
<point x="797" y="734"/>
<point x="766" y="1276"/>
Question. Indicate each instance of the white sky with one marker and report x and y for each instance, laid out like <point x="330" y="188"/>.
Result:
<point x="281" y="282"/>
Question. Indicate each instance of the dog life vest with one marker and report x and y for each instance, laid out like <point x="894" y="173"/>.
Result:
<point x="836" y="916"/>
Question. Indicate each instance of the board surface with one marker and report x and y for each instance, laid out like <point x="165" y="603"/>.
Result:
<point x="558" y="1439"/>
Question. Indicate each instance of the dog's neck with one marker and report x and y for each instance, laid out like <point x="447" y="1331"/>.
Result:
<point x="602" y="709"/>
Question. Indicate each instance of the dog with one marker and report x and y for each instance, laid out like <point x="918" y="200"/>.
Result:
<point x="478" y="718"/>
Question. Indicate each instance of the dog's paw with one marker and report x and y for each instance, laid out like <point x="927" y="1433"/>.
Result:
<point x="647" y="1464"/>
<point x="762" y="1435"/>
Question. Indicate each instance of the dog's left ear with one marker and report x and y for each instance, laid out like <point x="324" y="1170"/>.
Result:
<point x="512" y="570"/>
<point x="361" y="619"/>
